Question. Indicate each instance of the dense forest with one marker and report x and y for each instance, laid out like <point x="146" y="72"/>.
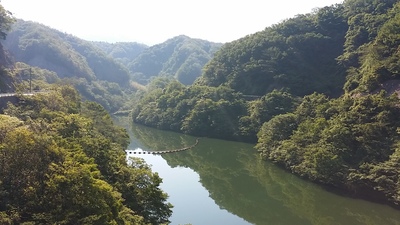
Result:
<point x="63" y="162"/>
<point x="122" y="52"/>
<point x="317" y="94"/>
<point x="108" y="73"/>
<point x="62" y="159"/>
<point x="180" y="57"/>
<point x="72" y="61"/>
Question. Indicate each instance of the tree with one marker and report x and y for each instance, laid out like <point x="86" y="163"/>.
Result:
<point x="264" y="109"/>
<point x="273" y="132"/>
<point x="62" y="162"/>
<point x="6" y="20"/>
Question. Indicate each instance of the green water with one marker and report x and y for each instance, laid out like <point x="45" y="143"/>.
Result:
<point x="222" y="182"/>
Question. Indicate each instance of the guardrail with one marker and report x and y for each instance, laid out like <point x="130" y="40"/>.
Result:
<point x="24" y="94"/>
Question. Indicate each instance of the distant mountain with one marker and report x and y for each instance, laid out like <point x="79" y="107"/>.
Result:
<point x="180" y="57"/>
<point x="123" y="52"/>
<point x="67" y="55"/>
<point x="99" y="70"/>
<point x="68" y="59"/>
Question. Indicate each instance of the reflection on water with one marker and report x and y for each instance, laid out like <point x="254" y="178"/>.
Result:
<point x="236" y="187"/>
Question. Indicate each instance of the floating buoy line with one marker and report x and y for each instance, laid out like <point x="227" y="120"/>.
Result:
<point x="137" y="151"/>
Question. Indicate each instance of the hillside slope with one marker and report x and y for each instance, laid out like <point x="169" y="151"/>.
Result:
<point x="327" y="106"/>
<point x="298" y="55"/>
<point x="68" y="56"/>
<point x="180" y="57"/>
<point x="123" y="52"/>
<point x="56" y="57"/>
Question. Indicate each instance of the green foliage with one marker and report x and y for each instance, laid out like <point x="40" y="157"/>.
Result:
<point x="368" y="54"/>
<point x="29" y="39"/>
<point x="6" y="20"/>
<point x="63" y="162"/>
<point x="350" y="142"/>
<point x="208" y="111"/>
<point x="298" y="54"/>
<point x="7" y="124"/>
<point x="180" y="57"/>
<point x="110" y="95"/>
<point x="273" y="132"/>
<point x="64" y="54"/>
<point x="148" y="198"/>
<point x="40" y="79"/>
<point x="255" y="190"/>
<point x="384" y="177"/>
<point x="264" y="109"/>
<point x="55" y="57"/>
<point x="123" y="52"/>
<point x="196" y="110"/>
<point x="334" y="141"/>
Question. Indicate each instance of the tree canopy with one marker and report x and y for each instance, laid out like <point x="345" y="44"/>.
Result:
<point x="180" y="57"/>
<point x="63" y="162"/>
<point x="298" y="55"/>
<point x="317" y="93"/>
<point x="6" y="20"/>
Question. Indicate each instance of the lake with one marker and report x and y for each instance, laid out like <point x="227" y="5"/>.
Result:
<point x="225" y="182"/>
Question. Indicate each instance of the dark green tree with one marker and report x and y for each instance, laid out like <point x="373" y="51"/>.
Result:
<point x="6" y="20"/>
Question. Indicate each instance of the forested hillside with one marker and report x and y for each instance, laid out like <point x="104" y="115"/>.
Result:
<point x="180" y="57"/>
<point x="297" y="55"/>
<point x="63" y="162"/>
<point x="6" y="80"/>
<point x="317" y="93"/>
<point x="68" y="56"/>
<point x="103" y="72"/>
<point x="123" y="52"/>
<point x="74" y="61"/>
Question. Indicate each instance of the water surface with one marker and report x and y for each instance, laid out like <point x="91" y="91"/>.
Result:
<point x="223" y="182"/>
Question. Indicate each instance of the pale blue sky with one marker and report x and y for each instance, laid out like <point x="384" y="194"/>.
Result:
<point x="154" y="21"/>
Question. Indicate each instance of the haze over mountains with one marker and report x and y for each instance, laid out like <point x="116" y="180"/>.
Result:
<point x="153" y="22"/>
<point x="101" y="71"/>
<point x="39" y="45"/>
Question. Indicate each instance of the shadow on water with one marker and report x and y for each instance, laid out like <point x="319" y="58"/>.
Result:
<point x="256" y="190"/>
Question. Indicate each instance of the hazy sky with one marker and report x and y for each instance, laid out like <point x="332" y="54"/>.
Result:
<point x="154" y="21"/>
